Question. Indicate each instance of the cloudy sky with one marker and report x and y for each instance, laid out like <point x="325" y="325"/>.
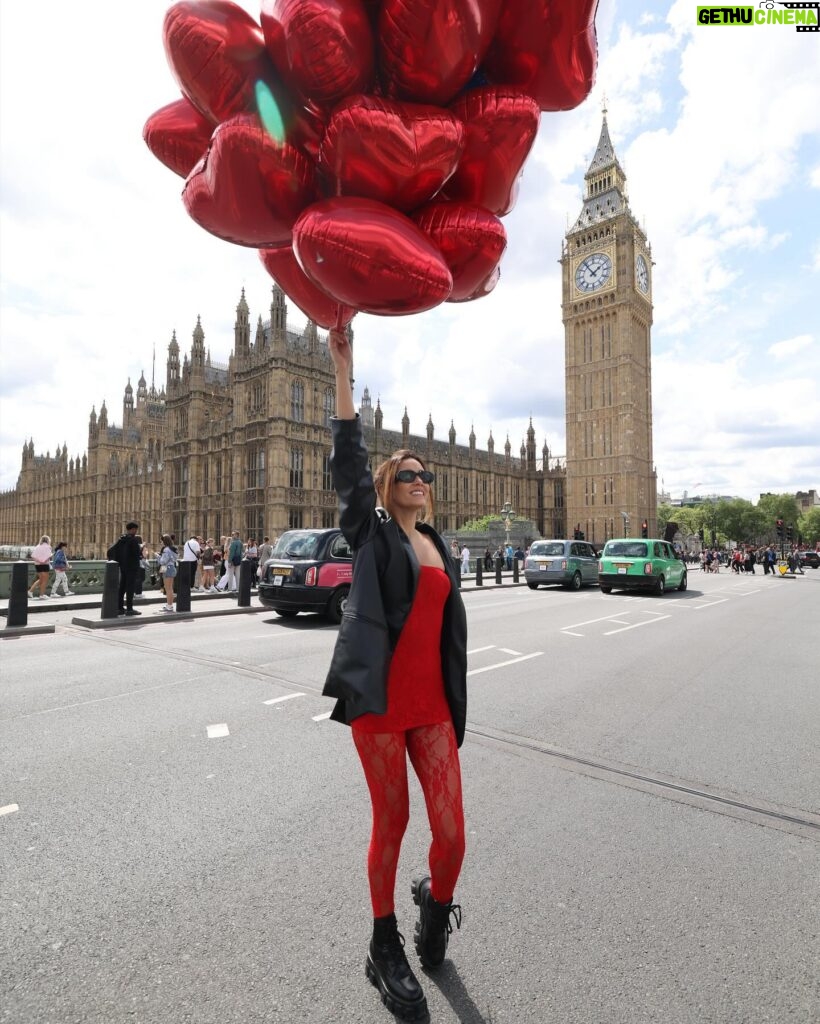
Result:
<point x="719" y="135"/>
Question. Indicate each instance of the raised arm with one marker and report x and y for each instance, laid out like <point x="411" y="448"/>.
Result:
<point x="342" y="356"/>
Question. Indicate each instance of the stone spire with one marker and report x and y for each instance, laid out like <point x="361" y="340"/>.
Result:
<point x="242" y="328"/>
<point x="278" y="314"/>
<point x="452" y="433"/>
<point x="378" y="415"/>
<point x="198" y="347"/>
<point x="405" y="428"/>
<point x="430" y="427"/>
<point x="604" y="184"/>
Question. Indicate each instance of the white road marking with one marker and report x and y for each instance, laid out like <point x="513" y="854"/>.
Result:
<point x="278" y="700"/>
<point x="745" y="593"/>
<point x="506" y="650"/>
<point x="9" y="809"/>
<point x="570" y="633"/>
<point x="502" y="664"/>
<point x="478" y="650"/>
<point x="215" y="731"/>
<point x="648" y="622"/>
<point x="720" y="600"/>
<point x="321" y="718"/>
<point x="589" y="622"/>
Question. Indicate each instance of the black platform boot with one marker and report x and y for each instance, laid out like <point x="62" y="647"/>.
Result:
<point x="388" y="969"/>
<point x="433" y="928"/>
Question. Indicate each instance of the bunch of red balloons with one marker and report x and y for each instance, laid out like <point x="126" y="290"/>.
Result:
<point x="366" y="148"/>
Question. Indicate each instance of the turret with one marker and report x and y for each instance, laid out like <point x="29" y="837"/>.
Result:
<point x="430" y="427"/>
<point x="173" y="362"/>
<point x="198" y="348"/>
<point x="278" y="315"/>
<point x="259" y="341"/>
<point x="507" y="448"/>
<point x="142" y="389"/>
<point x="405" y="429"/>
<point x="378" y="415"/>
<point x="452" y="434"/>
<point x="490" y="443"/>
<point x="103" y="420"/>
<point x="127" y="404"/>
<point x="311" y="336"/>
<point x="242" y="328"/>
<point x="366" y="409"/>
<point x="472" y="437"/>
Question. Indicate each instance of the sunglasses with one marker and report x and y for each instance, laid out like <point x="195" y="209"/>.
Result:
<point x="408" y="476"/>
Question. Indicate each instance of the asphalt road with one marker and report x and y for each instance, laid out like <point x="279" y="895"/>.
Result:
<point x="183" y="832"/>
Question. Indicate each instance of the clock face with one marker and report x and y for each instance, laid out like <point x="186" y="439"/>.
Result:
<point x="593" y="272"/>
<point x="642" y="274"/>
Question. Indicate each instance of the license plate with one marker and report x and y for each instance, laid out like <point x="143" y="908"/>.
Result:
<point x="622" y="572"/>
<point x="278" y="581"/>
<point x="544" y="566"/>
<point x="281" y="570"/>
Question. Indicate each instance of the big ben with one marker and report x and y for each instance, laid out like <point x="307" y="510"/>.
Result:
<point x="607" y="313"/>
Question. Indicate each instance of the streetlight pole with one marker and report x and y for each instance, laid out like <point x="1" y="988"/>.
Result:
<point x="508" y="515"/>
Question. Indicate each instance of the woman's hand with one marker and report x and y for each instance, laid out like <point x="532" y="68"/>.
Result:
<point x="340" y="351"/>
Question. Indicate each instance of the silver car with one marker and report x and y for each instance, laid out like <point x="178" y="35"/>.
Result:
<point x="570" y="563"/>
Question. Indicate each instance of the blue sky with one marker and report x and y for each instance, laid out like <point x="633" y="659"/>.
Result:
<point x="719" y="133"/>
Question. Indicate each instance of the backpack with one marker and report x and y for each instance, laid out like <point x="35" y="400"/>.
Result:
<point x="117" y="550"/>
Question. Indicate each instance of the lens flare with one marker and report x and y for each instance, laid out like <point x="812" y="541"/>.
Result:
<point x="269" y="113"/>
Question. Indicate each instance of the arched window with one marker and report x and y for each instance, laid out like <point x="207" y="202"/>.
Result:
<point x="297" y="401"/>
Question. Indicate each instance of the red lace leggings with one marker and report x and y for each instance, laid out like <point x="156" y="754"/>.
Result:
<point x="434" y="755"/>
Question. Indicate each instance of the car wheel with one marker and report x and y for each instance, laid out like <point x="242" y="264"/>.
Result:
<point x="337" y="604"/>
<point x="660" y="586"/>
<point x="533" y="586"/>
<point x="575" y="582"/>
<point x="683" y="582"/>
<point x="286" y="613"/>
<point x="605" y="590"/>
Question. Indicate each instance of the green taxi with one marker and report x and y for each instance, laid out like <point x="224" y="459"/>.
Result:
<point x="640" y="564"/>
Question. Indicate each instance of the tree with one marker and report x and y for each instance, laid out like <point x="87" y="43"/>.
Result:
<point x="808" y="526"/>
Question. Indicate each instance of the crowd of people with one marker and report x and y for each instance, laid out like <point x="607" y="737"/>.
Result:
<point x="211" y="566"/>
<point x="745" y="557"/>
<point x="505" y="553"/>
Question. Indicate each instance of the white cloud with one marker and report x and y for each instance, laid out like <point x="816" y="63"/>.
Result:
<point x="790" y="346"/>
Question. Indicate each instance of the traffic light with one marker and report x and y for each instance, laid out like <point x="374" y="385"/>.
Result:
<point x="779" y="524"/>
<point x="644" y="529"/>
<point x="788" y="533"/>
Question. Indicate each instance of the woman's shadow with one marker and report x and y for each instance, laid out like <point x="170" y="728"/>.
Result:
<point x="447" y="980"/>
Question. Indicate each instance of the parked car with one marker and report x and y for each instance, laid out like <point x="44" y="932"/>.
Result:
<point x="308" y="571"/>
<point x="811" y="558"/>
<point x="640" y="564"/>
<point x="569" y="563"/>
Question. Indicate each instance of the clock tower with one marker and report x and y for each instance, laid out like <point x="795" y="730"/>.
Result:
<point x="607" y="312"/>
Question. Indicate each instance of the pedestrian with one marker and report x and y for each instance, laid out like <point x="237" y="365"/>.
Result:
<point x="465" y="560"/>
<point x="252" y="556"/>
<point x="399" y="675"/>
<point x="41" y="556"/>
<point x="208" y="567"/>
<point x="61" y="567"/>
<point x="508" y="556"/>
<point x="488" y="559"/>
<point x="142" y="571"/>
<point x="168" y="558"/>
<point x="127" y="552"/>
<point x="190" y="559"/>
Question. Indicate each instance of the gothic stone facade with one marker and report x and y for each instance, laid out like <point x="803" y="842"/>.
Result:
<point x="245" y="446"/>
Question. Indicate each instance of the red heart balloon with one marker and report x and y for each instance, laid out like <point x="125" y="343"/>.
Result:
<point x="398" y="153"/>
<point x="217" y="54"/>
<point x="548" y="49"/>
<point x="247" y="189"/>
<point x="322" y="48"/>
<point x="317" y="305"/>
<point x="501" y="125"/>
<point x="178" y="135"/>
<point x="472" y="242"/>
<point x="430" y="49"/>
<point x="370" y="256"/>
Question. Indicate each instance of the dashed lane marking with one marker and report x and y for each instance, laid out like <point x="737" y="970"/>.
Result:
<point x="503" y="664"/>
<point x="506" y="650"/>
<point x="478" y="650"/>
<point x="216" y="731"/>
<point x="321" y="718"/>
<point x="720" y="600"/>
<point x="9" y="809"/>
<point x="636" y="625"/>
<point x="278" y="700"/>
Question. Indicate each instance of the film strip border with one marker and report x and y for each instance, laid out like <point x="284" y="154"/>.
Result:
<point x="815" y="6"/>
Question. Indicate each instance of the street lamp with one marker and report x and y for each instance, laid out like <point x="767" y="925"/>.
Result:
<point x="507" y="515"/>
<point x="625" y="517"/>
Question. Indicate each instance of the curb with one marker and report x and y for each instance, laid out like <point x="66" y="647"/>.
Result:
<point x="10" y="632"/>
<point x="140" y="620"/>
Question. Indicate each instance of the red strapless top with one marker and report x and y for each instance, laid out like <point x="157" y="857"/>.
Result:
<point x="415" y="684"/>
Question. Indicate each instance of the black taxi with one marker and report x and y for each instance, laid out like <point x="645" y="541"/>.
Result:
<point x="308" y="571"/>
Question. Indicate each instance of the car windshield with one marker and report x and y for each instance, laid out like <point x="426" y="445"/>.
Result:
<point x="297" y="544"/>
<point x="628" y="548"/>
<point x="547" y="549"/>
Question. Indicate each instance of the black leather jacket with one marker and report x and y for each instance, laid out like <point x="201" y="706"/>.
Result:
<point x="385" y="578"/>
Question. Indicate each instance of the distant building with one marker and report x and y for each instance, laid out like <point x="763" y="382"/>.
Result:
<point x="244" y="445"/>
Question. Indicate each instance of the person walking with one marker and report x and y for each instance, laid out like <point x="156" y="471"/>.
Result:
<point x="168" y="558"/>
<point x="61" y="567"/>
<point x="465" y="560"/>
<point x="252" y="556"/>
<point x="41" y="556"/>
<point x="233" y="559"/>
<point x="398" y="673"/>
<point x="208" y="567"/>
<point x="190" y="558"/>
<point x="127" y="551"/>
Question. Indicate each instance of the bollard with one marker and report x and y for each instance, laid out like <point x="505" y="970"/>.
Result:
<point x="244" y="595"/>
<point x="110" y="607"/>
<point x="18" y="598"/>
<point x="499" y="563"/>
<point x="479" y="580"/>
<point x="515" y="570"/>
<point x="184" y="586"/>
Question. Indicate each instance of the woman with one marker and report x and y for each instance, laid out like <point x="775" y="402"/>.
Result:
<point x="168" y="559"/>
<point x="61" y="567"/>
<point x="41" y="556"/>
<point x="252" y="556"/>
<point x="208" y="567"/>
<point x="399" y="675"/>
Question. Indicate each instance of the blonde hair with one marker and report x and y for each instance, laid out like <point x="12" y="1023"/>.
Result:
<point x="384" y="480"/>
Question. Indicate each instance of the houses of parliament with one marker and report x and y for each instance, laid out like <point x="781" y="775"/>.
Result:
<point x="245" y="445"/>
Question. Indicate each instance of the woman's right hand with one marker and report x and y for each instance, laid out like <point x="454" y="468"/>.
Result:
<point x="340" y="351"/>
